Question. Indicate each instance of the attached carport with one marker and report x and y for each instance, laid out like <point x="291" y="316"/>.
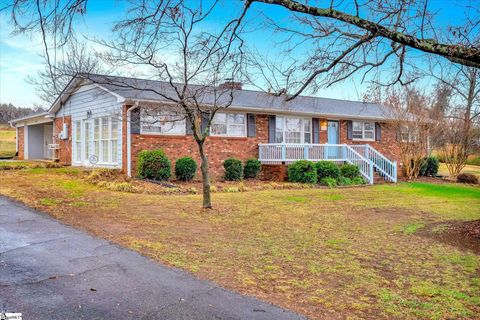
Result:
<point x="34" y="137"/>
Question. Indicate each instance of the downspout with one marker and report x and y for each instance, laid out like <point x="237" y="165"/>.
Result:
<point x="129" y="139"/>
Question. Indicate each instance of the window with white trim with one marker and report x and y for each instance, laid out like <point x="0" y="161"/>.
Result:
<point x="229" y="124"/>
<point x="162" y="121"/>
<point x="362" y="130"/>
<point x="408" y="135"/>
<point x="78" y="141"/>
<point x="105" y="139"/>
<point x="293" y="130"/>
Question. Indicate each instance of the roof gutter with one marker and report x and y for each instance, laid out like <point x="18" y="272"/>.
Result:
<point x="129" y="139"/>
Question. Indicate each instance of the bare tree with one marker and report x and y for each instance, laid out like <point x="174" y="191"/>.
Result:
<point x="75" y="58"/>
<point x="408" y="111"/>
<point x="375" y="40"/>
<point x="461" y="118"/>
<point x="166" y="40"/>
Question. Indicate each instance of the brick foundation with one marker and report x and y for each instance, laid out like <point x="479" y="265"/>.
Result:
<point x="64" y="154"/>
<point x="274" y="172"/>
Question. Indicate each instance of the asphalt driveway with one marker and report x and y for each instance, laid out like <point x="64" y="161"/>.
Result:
<point x="52" y="271"/>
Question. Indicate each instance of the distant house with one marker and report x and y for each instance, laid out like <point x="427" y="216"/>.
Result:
<point x="109" y="117"/>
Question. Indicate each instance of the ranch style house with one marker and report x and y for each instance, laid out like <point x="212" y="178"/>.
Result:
<point x="111" y="118"/>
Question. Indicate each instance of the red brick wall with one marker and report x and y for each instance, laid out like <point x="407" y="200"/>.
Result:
<point x="21" y="143"/>
<point x="220" y="148"/>
<point x="387" y="145"/>
<point x="64" y="154"/>
<point x="217" y="148"/>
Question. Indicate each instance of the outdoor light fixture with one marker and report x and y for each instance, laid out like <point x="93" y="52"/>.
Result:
<point x="89" y="114"/>
<point x="323" y="124"/>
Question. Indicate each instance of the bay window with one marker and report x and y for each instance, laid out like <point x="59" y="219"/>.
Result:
<point x="293" y="130"/>
<point x="162" y="121"/>
<point x="363" y="130"/>
<point x="229" y="124"/>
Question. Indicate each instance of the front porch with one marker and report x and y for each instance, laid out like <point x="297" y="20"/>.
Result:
<point x="365" y="157"/>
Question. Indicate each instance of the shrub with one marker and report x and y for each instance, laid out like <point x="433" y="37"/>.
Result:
<point x="185" y="169"/>
<point x="302" y="171"/>
<point x="327" y="169"/>
<point x="233" y="169"/>
<point x="467" y="178"/>
<point x="329" y="182"/>
<point x="153" y="164"/>
<point x="252" y="169"/>
<point x="344" y="181"/>
<point x="430" y="167"/>
<point x="358" y="180"/>
<point x="213" y="189"/>
<point x="349" y="171"/>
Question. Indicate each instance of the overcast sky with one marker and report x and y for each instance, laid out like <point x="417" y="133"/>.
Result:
<point x="19" y="55"/>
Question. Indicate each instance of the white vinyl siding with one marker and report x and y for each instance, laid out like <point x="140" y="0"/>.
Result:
<point x="229" y="124"/>
<point x="91" y="104"/>
<point x="293" y="130"/>
<point x="362" y="130"/>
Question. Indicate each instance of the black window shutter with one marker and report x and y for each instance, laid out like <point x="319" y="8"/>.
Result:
<point x="316" y="130"/>
<point x="205" y="117"/>
<point x="135" y="121"/>
<point x="378" y="132"/>
<point x="251" y="125"/>
<point x="271" y="129"/>
<point x="188" y="126"/>
<point x="349" y="130"/>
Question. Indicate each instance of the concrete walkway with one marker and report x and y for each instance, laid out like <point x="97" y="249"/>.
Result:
<point x="52" y="271"/>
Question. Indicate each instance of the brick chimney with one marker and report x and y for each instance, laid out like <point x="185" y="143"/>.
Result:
<point x="229" y="84"/>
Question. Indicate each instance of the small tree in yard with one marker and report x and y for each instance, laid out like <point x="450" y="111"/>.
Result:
<point x="408" y="111"/>
<point x="461" y="116"/>
<point x="173" y="41"/>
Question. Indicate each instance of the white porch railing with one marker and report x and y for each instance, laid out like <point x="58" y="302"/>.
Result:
<point x="386" y="168"/>
<point x="278" y="153"/>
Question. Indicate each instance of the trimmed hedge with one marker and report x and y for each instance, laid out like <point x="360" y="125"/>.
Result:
<point x="349" y="171"/>
<point x="327" y="169"/>
<point x="185" y="169"/>
<point x="251" y="169"/>
<point x="302" y="171"/>
<point x="153" y="164"/>
<point x="329" y="182"/>
<point x="233" y="169"/>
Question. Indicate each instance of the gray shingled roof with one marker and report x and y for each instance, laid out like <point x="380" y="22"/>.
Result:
<point x="142" y="89"/>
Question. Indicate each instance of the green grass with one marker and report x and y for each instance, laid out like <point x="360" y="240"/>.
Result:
<point x="7" y="141"/>
<point x="412" y="228"/>
<point x="354" y="253"/>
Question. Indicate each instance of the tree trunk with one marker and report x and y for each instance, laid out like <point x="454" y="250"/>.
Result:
<point x="207" y="200"/>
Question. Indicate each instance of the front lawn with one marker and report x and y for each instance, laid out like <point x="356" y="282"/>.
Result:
<point x="366" y="252"/>
<point x="442" y="170"/>
<point x="7" y="141"/>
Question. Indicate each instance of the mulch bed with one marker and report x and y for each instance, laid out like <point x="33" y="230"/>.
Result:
<point x="462" y="234"/>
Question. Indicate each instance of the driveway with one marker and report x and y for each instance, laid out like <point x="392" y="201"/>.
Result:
<point x="52" y="271"/>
